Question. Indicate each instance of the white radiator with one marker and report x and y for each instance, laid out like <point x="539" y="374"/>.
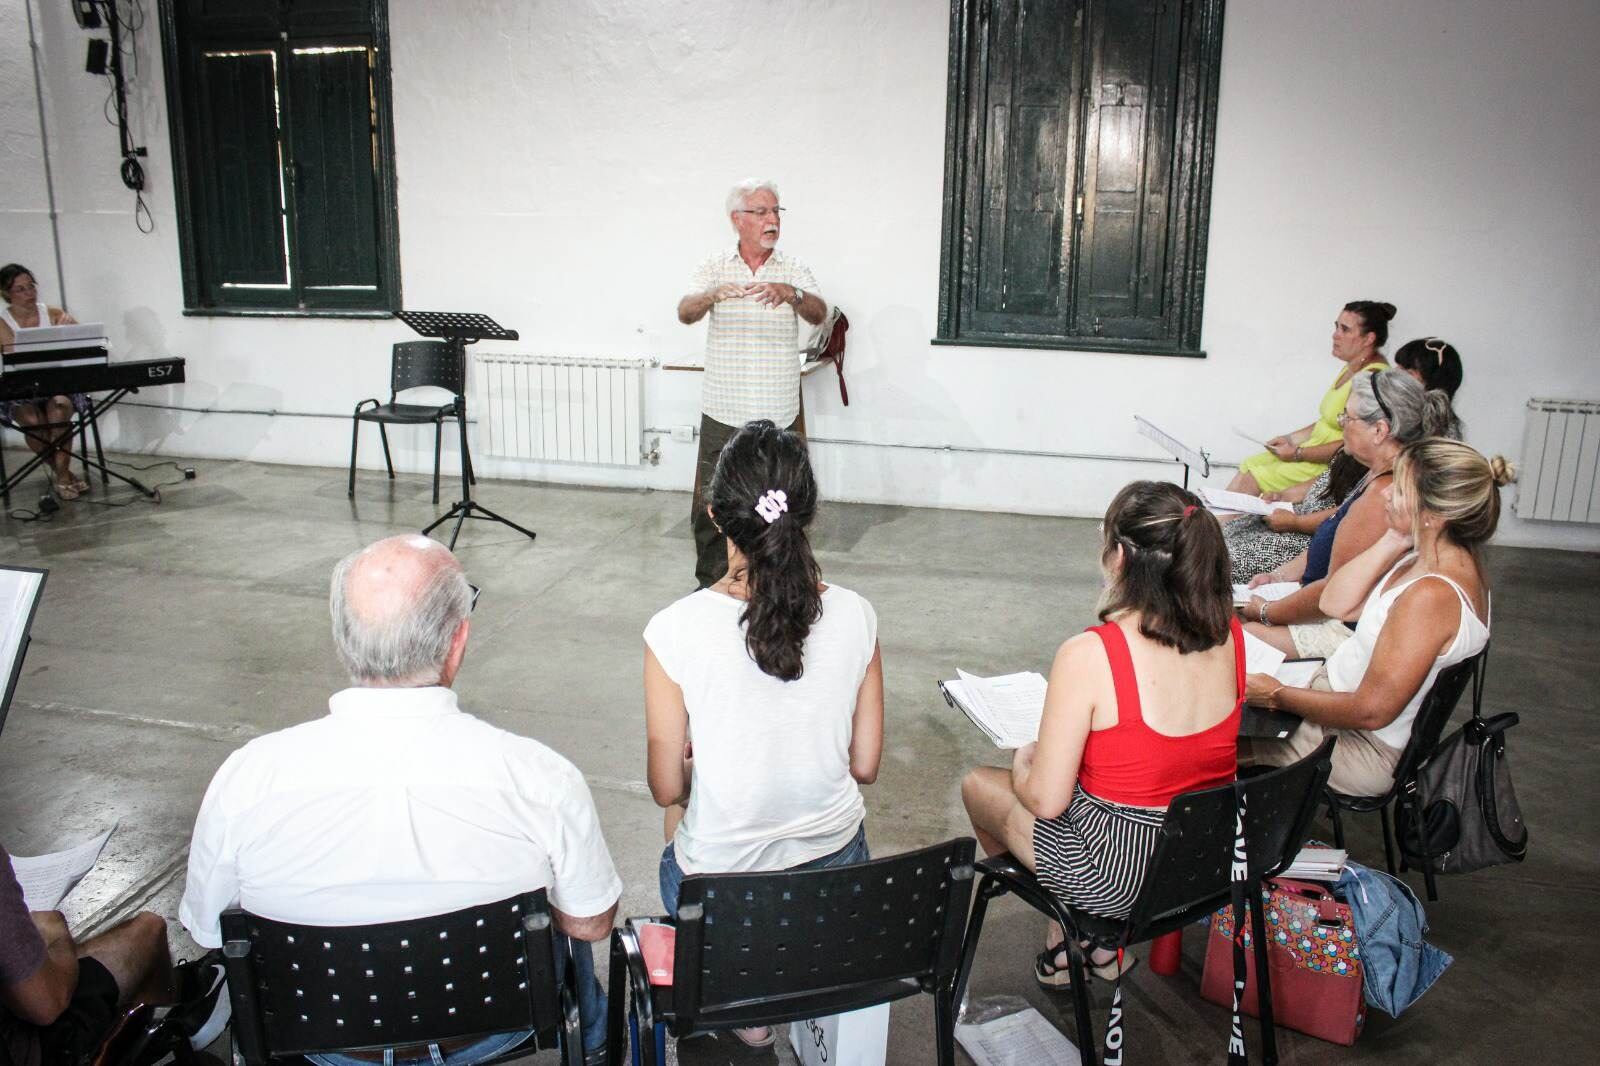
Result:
<point x="1560" y="453"/>
<point x="572" y="409"/>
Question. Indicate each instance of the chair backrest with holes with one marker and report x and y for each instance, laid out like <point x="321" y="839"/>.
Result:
<point x="417" y="363"/>
<point x="297" y="989"/>
<point x="808" y="943"/>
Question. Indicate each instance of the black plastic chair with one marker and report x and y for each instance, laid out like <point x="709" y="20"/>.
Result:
<point x="1188" y="878"/>
<point x="769" y="948"/>
<point x="414" y="364"/>
<point x="303" y="989"/>
<point x="1434" y="714"/>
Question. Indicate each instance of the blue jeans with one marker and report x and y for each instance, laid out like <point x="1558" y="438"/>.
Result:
<point x="672" y="874"/>
<point x="591" y="1015"/>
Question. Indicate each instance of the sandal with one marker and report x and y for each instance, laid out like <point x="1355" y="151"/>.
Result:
<point x="1051" y="975"/>
<point x="761" y="1036"/>
<point x="80" y="484"/>
<point x="67" y="490"/>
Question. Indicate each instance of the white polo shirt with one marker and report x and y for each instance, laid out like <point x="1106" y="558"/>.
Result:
<point x="752" y="351"/>
<point x="396" y="805"/>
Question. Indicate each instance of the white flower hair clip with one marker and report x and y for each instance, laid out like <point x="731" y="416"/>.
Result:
<point x="772" y="504"/>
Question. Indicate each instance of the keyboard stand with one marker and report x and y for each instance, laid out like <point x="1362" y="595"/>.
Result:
<point x="77" y="427"/>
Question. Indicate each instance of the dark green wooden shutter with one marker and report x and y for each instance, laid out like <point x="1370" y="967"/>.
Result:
<point x="331" y="144"/>
<point x="1127" y="170"/>
<point x="1018" y="241"/>
<point x="240" y="191"/>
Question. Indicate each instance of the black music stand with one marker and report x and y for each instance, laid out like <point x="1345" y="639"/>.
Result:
<point x="459" y="329"/>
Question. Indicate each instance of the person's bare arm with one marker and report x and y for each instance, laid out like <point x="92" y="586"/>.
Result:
<point x="666" y="732"/>
<point x="596" y="927"/>
<point x="693" y="307"/>
<point x="40" y="998"/>
<point x="1422" y="622"/>
<point x="1366" y="521"/>
<point x="1044" y="774"/>
<point x="1289" y="522"/>
<point x="866" y="725"/>
<point x="1346" y="592"/>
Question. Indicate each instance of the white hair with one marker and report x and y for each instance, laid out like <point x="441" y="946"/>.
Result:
<point x="740" y="193"/>
<point x="409" y="648"/>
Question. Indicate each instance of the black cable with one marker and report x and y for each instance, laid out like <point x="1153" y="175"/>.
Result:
<point x="130" y="502"/>
<point x="22" y="514"/>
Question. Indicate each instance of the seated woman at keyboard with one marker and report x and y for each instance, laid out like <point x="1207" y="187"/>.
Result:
<point x="21" y="309"/>
<point x="1442" y="506"/>
<point x="1139" y="709"/>
<point x="778" y="680"/>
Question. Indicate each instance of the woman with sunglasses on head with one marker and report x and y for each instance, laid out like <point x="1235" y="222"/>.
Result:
<point x="1359" y="334"/>
<point x="1386" y="411"/>
<point x="1257" y="543"/>
<point x="1441" y="508"/>
<point x="777" y="679"/>
<point x="1139" y="709"/>
<point x="21" y="309"/>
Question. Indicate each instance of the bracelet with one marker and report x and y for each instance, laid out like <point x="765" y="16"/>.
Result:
<point x="1261" y="614"/>
<point x="1297" y="453"/>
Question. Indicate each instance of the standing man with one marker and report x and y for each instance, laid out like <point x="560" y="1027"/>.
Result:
<point x="757" y="296"/>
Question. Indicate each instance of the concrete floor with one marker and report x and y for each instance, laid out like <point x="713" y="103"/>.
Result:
<point x="171" y="634"/>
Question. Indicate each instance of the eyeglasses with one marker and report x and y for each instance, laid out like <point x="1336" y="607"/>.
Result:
<point x="1437" y="347"/>
<point x="763" y="212"/>
<point x="472" y="604"/>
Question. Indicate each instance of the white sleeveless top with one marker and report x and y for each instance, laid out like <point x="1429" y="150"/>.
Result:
<point x="1348" y="665"/>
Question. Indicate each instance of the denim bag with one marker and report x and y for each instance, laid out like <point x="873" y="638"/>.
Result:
<point x="1399" y="966"/>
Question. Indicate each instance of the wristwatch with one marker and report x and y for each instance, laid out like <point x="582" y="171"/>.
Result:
<point x="799" y="296"/>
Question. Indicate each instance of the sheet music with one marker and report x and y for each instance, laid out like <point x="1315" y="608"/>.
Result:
<point x="1248" y="437"/>
<point x="1223" y="500"/>
<point x="1272" y="592"/>
<point x="18" y="588"/>
<point x="1176" y="448"/>
<point x="1021" y="1039"/>
<point x="1010" y="705"/>
<point x="1260" y="657"/>
<point x="1298" y="673"/>
<point x="46" y="879"/>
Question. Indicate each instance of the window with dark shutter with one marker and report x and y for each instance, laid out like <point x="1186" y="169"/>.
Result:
<point x="1078" y="173"/>
<point x="283" y="148"/>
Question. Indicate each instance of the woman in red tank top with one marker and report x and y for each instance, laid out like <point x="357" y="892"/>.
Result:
<point x="1140" y="709"/>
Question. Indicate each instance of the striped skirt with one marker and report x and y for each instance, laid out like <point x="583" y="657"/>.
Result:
<point x="1094" y="855"/>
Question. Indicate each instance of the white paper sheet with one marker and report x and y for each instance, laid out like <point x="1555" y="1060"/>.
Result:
<point x="1021" y="1039"/>
<point x="1259" y="656"/>
<point x="46" y="879"/>
<point x="17" y="591"/>
<point x="1223" y="501"/>
<point x="1297" y="673"/>
<point x="1177" y="449"/>
<point x="1250" y="437"/>
<point x="1010" y="705"/>
<point x="1271" y="592"/>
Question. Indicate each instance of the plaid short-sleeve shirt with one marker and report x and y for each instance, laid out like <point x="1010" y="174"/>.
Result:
<point x="752" y="351"/>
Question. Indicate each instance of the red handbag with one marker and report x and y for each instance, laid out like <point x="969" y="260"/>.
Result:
<point x="1314" y="959"/>
<point x="827" y="345"/>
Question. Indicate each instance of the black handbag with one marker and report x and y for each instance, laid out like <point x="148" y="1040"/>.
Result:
<point x="1470" y="815"/>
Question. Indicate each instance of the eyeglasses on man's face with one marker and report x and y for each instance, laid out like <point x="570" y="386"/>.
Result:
<point x="472" y="604"/>
<point x="763" y="212"/>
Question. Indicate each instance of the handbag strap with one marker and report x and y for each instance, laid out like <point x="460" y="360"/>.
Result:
<point x="1113" y="1055"/>
<point x="1477" y="682"/>
<point x="1239" y="877"/>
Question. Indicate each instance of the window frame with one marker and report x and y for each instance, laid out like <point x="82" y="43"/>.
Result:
<point x="1194" y="139"/>
<point x="176" y="62"/>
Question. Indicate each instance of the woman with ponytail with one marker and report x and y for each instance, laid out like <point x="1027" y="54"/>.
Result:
<point x="1442" y="507"/>
<point x="1139" y="709"/>
<point x="777" y="679"/>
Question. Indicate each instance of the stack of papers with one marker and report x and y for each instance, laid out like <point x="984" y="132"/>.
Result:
<point x="1262" y="658"/>
<point x="1221" y="501"/>
<point x="46" y="879"/>
<point x="1271" y="592"/>
<point x="1007" y="708"/>
<point x="1021" y="1039"/>
<point x="1317" y="864"/>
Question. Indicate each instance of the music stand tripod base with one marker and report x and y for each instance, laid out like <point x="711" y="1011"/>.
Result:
<point x="459" y="329"/>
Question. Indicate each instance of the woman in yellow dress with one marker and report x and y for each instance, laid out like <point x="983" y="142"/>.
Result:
<point x="1359" y="334"/>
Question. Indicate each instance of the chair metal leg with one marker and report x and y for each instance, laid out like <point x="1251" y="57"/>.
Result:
<point x="1384" y="813"/>
<point x="1415" y="818"/>
<point x="987" y="890"/>
<point x="438" y="435"/>
<point x="571" y="1024"/>
<point x="617" y="1003"/>
<point x="1338" y="823"/>
<point x="944" y="1024"/>
<point x="1258" y="927"/>
<point x="1088" y="1053"/>
<point x="355" y="438"/>
<point x="99" y="452"/>
<point x="387" y="461"/>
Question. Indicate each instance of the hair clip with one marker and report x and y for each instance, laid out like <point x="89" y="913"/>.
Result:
<point x="772" y="504"/>
<point x="1188" y="510"/>
<point x="1439" y="351"/>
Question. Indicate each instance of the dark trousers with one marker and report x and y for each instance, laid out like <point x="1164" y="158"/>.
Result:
<point x="710" y="548"/>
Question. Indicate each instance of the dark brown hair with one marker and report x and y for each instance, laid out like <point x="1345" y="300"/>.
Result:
<point x="1435" y="359"/>
<point x="782" y="575"/>
<point x="1174" y="566"/>
<point x="11" y="272"/>
<point x="1375" y="316"/>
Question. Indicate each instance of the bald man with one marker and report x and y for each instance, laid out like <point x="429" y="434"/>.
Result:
<point x="397" y="804"/>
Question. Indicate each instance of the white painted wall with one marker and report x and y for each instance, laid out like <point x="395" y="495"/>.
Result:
<point x="1437" y="154"/>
